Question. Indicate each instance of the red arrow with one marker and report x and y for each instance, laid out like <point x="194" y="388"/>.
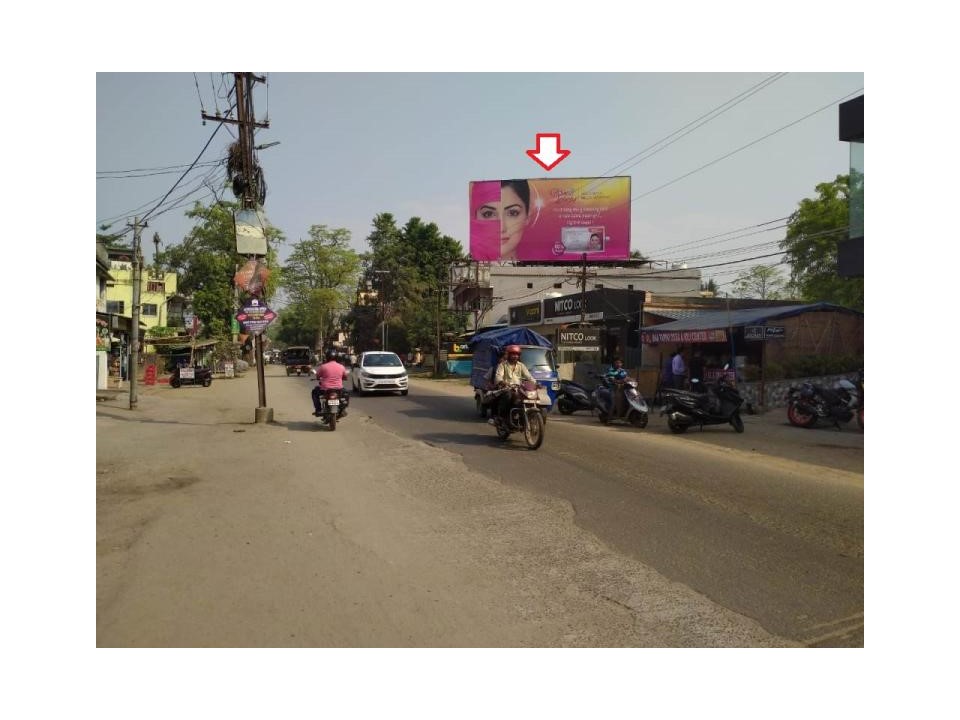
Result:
<point x="550" y="154"/>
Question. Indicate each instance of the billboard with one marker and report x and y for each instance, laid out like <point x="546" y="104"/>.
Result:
<point x="552" y="220"/>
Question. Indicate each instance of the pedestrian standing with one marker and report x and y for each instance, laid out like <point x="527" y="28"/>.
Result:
<point x="679" y="369"/>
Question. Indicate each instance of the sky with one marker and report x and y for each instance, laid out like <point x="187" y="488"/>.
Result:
<point x="708" y="154"/>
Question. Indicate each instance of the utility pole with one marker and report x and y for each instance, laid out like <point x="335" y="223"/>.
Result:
<point x="582" y="276"/>
<point x="246" y="123"/>
<point x="134" y="357"/>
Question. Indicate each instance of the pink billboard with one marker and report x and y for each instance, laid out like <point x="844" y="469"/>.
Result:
<point x="553" y="220"/>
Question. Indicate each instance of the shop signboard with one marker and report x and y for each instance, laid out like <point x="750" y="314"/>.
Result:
<point x="579" y="339"/>
<point x="652" y="337"/>
<point x="764" y="332"/>
<point x="526" y="314"/>
<point x="566" y="309"/>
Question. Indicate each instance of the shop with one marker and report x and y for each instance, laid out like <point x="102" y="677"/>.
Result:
<point x="756" y="343"/>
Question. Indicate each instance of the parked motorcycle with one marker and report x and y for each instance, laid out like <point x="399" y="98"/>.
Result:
<point x="191" y="376"/>
<point x="526" y="414"/>
<point x="719" y="405"/>
<point x="333" y="406"/>
<point x="633" y="408"/>
<point x="808" y="403"/>
<point x="573" y="397"/>
<point x="860" y="399"/>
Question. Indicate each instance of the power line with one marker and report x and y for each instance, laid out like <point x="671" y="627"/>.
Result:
<point x="698" y="123"/>
<point x="729" y="232"/>
<point x="169" y="169"/>
<point x="744" y="147"/>
<point x="212" y="135"/>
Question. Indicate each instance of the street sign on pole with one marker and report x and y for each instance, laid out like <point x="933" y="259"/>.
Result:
<point x="255" y="316"/>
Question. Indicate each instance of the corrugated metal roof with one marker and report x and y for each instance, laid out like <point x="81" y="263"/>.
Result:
<point x="675" y="313"/>
<point x="718" y="319"/>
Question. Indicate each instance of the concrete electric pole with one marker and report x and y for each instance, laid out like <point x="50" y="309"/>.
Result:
<point x="245" y="125"/>
<point x="137" y="273"/>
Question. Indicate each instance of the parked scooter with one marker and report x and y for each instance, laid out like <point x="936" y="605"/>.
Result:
<point x="808" y="403"/>
<point x="526" y="414"/>
<point x="631" y="408"/>
<point x="719" y="405"/>
<point x="573" y="397"/>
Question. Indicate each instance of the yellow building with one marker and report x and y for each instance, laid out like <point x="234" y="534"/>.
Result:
<point x="156" y="291"/>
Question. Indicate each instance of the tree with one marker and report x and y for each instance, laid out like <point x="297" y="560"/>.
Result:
<point x="206" y="261"/>
<point x="319" y="276"/>
<point x="709" y="286"/>
<point x="761" y="281"/>
<point x="403" y="275"/>
<point x="813" y="233"/>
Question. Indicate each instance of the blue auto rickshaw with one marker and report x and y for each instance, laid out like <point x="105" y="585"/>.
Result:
<point x="536" y="353"/>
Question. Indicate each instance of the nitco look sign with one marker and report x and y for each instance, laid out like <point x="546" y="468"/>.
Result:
<point x="580" y="339"/>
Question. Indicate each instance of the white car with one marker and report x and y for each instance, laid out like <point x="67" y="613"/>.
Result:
<point x="379" y="371"/>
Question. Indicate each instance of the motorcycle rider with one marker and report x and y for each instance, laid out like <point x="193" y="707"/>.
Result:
<point x="330" y="376"/>
<point x="510" y="371"/>
<point x="615" y="376"/>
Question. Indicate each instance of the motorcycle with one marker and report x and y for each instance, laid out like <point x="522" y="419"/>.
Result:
<point x="191" y="376"/>
<point x="860" y="399"/>
<point x="808" y="403"/>
<point x="633" y="410"/>
<point x="333" y="406"/>
<point x="525" y="415"/>
<point x="573" y="397"/>
<point x="718" y="405"/>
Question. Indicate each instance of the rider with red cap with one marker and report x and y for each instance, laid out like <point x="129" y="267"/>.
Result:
<point x="510" y="371"/>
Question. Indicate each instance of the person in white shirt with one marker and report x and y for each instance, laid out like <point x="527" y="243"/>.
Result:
<point x="679" y="370"/>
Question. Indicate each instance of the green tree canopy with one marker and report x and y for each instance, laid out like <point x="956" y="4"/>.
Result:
<point x="761" y="281"/>
<point x="404" y="272"/>
<point x="320" y="276"/>
<point x="813" y="233"/>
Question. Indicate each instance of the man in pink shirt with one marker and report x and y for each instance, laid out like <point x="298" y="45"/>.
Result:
<point x="330" y="376"/>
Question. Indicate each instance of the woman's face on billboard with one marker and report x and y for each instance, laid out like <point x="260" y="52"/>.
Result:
<point x="512" y="214"/>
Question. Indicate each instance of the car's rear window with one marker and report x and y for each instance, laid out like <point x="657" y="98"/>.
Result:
<point x="382" y="360"/>
<point x="298" y="356"/>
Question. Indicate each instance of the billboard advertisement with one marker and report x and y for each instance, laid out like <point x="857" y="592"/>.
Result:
<point x="552" y="220"/>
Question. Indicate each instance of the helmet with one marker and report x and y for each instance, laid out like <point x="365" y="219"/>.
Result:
<point x="331" y="354"/>
<point x="512" y="349"/>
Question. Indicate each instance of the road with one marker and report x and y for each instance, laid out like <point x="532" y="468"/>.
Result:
<point x="412" y="525"/>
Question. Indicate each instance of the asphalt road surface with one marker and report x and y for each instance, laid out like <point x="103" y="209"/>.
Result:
<point x="413" y="525"/>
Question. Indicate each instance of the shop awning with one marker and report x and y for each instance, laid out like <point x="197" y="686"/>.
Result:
<point x="712" y="325"/>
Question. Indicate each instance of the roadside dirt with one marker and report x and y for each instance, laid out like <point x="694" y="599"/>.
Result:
<point x="213" y="531"/>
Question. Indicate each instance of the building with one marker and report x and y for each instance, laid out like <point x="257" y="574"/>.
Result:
<point x="850" y="250"/>
<point x="488" y="290"/>
<point x="758" y="342"/>
<point x="104" y="324"/>
<point x="156" y="290"/>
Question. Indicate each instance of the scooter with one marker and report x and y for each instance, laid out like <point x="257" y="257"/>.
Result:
<point x="719" y="405"/>
<point x="525" y="414"/>
<point x="808" y="403"/>
<point x="633" y="409"/>
<point x="573" y="397"/>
